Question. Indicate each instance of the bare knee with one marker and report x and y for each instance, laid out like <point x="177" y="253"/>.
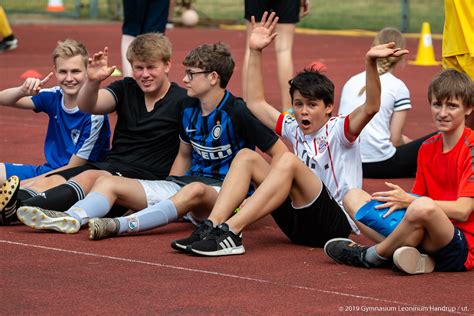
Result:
<point x="104" y="181"/>
<point x="286" y="161"/>
<point x="87" y="178"/>
<point x="421" y="210"/>
<point x="195" y="191"/>
<point x="354" y="199"/>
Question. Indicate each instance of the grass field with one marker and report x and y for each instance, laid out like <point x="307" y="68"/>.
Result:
<point x="330" y="15"/>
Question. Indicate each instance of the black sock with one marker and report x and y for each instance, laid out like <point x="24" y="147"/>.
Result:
<point x="25" y="194"/>
<point x="9" y="38"/>
<point x="59" y="198"/>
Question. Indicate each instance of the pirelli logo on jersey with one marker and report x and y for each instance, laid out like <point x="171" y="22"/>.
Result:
<point x="212" y="153"/>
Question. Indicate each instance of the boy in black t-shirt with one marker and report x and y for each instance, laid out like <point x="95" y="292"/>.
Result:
<point x="146" y="138"/>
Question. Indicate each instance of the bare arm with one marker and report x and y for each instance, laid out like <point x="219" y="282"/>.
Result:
<point x="363" y="114"/>
<point x="261" y="36"/>
<point x="459" y="210"/>
<point x="92" y="99"/>
<point x="20" y="97"/>
<point x="182" y="162"/>
<point x="305" y="6"/>
<point x="277" y="149"/>
<point x="396" y="127"/>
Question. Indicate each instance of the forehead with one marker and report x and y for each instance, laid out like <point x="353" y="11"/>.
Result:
<point x="75" y="62"/>
<point x="147" y="63"/>
<point x="298" y="96"/>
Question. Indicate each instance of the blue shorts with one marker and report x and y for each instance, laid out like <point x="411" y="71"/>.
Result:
<point x="25" y="171"/>
<point x="451" y="258"/>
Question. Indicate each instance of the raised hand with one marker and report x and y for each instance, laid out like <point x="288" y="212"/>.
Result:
<point x="98" y="68"/>
<point x="262" y="33"/>
<point x="394" y="199"/>
<point x="32" y="86"/>
<point x="385" y="50"/>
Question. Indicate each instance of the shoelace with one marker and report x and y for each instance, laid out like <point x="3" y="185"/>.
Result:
<point x="356" y="261"/>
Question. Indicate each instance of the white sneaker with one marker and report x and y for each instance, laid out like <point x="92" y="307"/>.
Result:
<point x="411" y="261"/>
<point x="38" y="218"/>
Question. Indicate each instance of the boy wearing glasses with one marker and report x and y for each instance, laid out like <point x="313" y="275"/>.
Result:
<point x="215" y="125"/>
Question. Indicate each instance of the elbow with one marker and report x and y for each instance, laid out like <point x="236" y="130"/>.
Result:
<point x="464" y="215"/>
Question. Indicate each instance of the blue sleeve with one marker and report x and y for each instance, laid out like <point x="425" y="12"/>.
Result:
<point x="93" y="140"/>
<point x="43" y="101"/>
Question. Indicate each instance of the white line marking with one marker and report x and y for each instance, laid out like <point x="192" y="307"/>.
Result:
<point x="226" y="275"/>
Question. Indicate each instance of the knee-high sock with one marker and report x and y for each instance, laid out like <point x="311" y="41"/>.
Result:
<point x="152" y="217"/>
<point x="93" y="205"/>
<point x="59" y="198"/>
<point x="5" y="29"/>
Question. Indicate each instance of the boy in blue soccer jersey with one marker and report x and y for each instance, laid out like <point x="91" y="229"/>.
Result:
<point x="73" y="137"/>
<point x="215" y="125"/>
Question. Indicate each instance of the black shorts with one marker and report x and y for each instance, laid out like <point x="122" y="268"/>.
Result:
<point x="451" y="258"/>
<point x="288" y="11"/>
<point x="113" y="168"/>
<point x="313" y="225"/>
<point x="144" y="16"/>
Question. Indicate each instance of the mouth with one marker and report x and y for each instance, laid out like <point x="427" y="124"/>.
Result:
<point x="306" y="123"/>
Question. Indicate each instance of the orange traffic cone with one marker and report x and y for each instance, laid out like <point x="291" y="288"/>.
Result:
<point x="55" y="6"/>
<point x="425" y="55"/>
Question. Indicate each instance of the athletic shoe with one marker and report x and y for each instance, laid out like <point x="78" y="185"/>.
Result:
<point x="100" y="228"/>
<point x="8" y="202"/>
<point x="221" y="241"/>
<point x="411" y="261"/>
<point x="8" y="44"/>
<point x="346" y="251"/>
<point x="199" y="232"/>
<point x="38" y="218"/>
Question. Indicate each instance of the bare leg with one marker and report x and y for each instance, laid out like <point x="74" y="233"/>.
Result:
<point x="288" y="177"/>
<point x="424" y="223"/>
<point x="353" y="201"/>
<point x="197" y="198"/>
<point x="126" y="67"/>
<point x="123" y="191"/>
<point x="284" y="56"/>
<point x="247" y="167"/>
<point x="3" y="174"/>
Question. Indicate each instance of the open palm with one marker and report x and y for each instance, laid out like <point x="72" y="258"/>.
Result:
<point x="262" y="32"/>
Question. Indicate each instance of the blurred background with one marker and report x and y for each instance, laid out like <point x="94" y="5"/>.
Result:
<point x="371" y="15"/>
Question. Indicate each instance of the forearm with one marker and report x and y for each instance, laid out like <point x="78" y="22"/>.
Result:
<point x="459" y="210"/>
<point x="9" y="97"/>
<point x="373" y="88"/>
<point x="88" y="96"/>
<point x="255" y="90"/>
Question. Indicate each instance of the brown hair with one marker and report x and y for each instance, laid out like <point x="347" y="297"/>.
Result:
<point x="213" y="57"/>
<point x="450" y="83"/>
<point x="150" y="47"/>
<point x="70" y="48"/>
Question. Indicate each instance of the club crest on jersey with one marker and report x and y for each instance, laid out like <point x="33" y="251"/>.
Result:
<point x="216" y="131"/>
<point x="322" y="145"/>
<point x="75" y="135"/>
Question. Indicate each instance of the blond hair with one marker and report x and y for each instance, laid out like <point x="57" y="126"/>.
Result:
<point x="70" y="48"/>
<point x="384" y="36"/>
<point x="149" y="47"/>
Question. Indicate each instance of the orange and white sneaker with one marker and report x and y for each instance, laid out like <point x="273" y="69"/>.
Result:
<point x="38" y="218"/>
<point x="411" y="261"/>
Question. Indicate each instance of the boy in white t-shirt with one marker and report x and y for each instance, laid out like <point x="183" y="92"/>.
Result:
<point x="304" y="190"/>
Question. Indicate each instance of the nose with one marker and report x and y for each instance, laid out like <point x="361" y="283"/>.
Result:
<point x="443" y="111"/>
<point x="69" y="76"/>
<point x="185" y="79"/>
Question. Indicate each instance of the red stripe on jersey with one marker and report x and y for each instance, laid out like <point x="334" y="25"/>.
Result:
<point x="350" y="138"/>
<point x="279" y="124"/>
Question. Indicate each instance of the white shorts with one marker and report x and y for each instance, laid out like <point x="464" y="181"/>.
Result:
<point x="157" y="191"/>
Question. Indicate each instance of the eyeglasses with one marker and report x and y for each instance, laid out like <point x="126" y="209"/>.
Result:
<point x="190" y="74"/>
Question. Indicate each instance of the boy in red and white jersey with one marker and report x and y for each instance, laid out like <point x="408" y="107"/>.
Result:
<point x="440" y="222"/>
<point x="303" y="191"/>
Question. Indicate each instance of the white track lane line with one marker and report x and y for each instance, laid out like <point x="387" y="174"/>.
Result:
<point x="224" y="275"/>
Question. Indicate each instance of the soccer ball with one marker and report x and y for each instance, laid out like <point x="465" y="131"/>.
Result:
<point x="189" y="17"/>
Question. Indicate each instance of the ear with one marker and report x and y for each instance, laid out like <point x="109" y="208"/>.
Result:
<point x="214" y="78"/>
<point x="329" y="109"/>
<point x="167" y="66"/>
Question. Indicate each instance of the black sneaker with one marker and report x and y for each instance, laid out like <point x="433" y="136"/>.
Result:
<point x="204" y="228"/>
<point x="346" y="251"/>
<point x="219" y="242"/>
<point x="8" y="201"/>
